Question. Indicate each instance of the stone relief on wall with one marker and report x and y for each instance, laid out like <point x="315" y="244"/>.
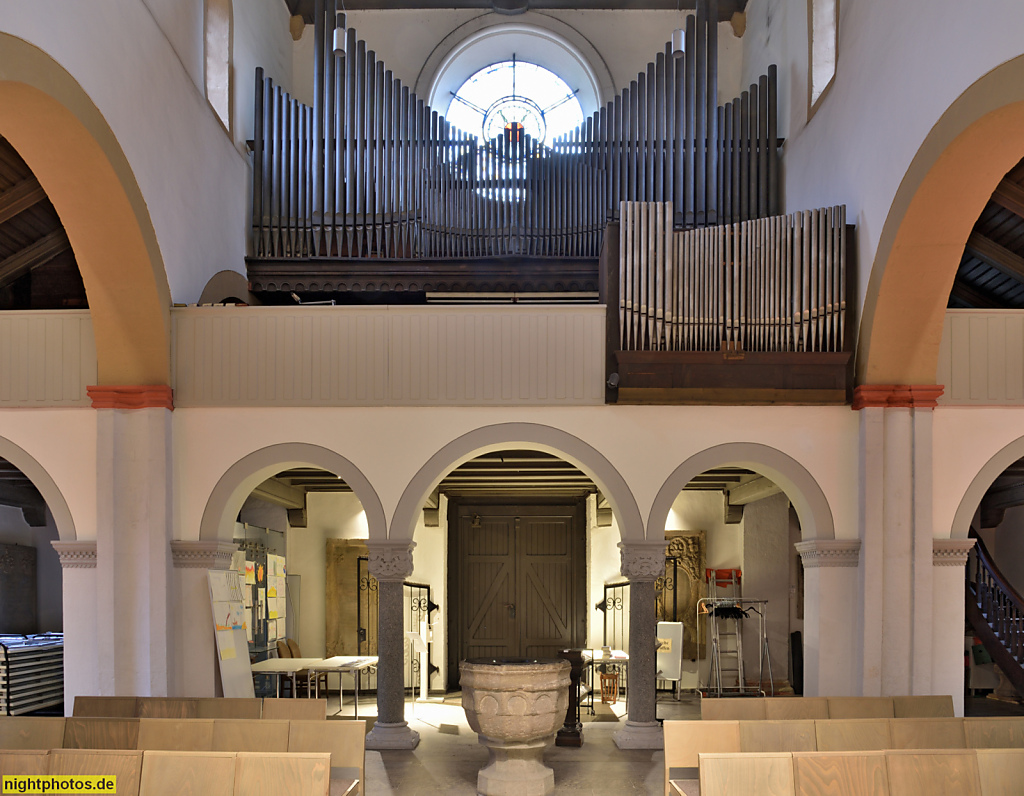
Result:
<point x="682" y="585"/>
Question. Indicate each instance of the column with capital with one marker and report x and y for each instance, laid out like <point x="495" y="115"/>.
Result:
<point x="643" y="562"/>
<point x="391" y="563"/>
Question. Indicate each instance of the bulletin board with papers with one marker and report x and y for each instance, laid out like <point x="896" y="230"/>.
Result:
<point x="229" y="621"/>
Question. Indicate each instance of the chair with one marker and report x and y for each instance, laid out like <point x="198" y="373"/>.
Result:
<point x="284" y="651"/>
<point x="289" y="648"/>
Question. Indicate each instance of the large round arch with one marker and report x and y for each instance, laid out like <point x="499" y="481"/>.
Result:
<point x="976" y="141"/>
<point x="42" y="481"/>
<point x="247" y="473"/>
<point x="799" y="485"/>
<point x="519" y="435"/>
<point x="55" y="127"/>
<point x="533" y="37"/>
<point x="979" y="485"/>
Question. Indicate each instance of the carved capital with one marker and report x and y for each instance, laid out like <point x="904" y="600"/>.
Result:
<point x="643" y="560"/>
<point x="829" y="552"/>
<point x="76" y="555"/>
<point x="202" y="554"/>
<point x="390" y="561"/>
<point x="951" y="552"/>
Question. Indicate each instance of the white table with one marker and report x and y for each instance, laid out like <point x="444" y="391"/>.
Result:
<point x="279" y="666"/>
<point x="340" y="664"/>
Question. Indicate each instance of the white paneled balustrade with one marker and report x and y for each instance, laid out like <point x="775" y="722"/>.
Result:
<point x="399" y="356"/>
<point x="47" y="358"/>
<point x="981" y="358"/>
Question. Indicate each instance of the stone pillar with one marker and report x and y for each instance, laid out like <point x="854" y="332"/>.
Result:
<point x="391" y="564"/>
<point x="896" y="532"/>
<point x="133" y="534"/>
<point x="949" y="559"/>
<point x="642" y="564"/>
<point x="81" y="666"/>
<point x="830" y="615"/>
<point x="193" y="665"/>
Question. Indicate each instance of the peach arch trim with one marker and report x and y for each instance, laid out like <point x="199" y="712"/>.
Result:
<point x="974" y="143"/>
<point x="533" y="437"/>
<point x="811" y="505"/>
<point x="61" y="134"/>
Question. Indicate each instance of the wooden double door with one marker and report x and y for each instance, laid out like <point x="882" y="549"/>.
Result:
<point x="517" y="580"/>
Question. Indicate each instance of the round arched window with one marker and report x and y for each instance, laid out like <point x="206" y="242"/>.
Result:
<point x="515" y="97"/>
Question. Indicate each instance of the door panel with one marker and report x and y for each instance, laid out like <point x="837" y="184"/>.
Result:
<point x="518" y="576"/>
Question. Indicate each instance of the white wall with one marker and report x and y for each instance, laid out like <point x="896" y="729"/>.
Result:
<point x="261" y="38"/>
<point x="182" y="22"/>
<point x="767" y="555"/>
<point x="192" y="177"/>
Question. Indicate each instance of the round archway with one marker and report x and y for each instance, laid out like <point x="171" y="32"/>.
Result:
<point x="528" y="436"/>
<point x="976" y="141"/>
<point x="246" y="474"/>
<point x="54" y="125"/>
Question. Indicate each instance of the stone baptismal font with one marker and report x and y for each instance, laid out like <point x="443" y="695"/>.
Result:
<point x="515" y="706"/>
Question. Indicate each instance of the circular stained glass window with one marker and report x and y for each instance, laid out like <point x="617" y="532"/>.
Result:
<point x="517" y="97"/>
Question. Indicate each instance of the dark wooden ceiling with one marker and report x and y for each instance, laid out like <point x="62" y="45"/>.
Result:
<point x="991" y="272"/>
<point x="37" y="267"/>
<point x="515" y="473"/>
<point x="726" y="8"/>
<point x="18" y="491"/>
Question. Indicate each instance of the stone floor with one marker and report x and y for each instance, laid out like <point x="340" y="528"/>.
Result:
<point x="448" y="757"/>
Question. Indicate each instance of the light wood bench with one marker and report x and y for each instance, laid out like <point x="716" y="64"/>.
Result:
<point x="188" y="774"/>
<point x="24" y="761"/>
<point x="176" y="735"/>
<point x="1006" y="732"/>
<point x="106" y="707"/>
<point x="167" y="708"/>
<point x="824" y="774"/>
<point x="762" y="773"/>
<point x="94" y="733"/>
<point x="292" y="774"/>
<point x="31" y="732"/>
<point x="344" y="740"/>
<point x="776" y="708"/>
<point x="241" y="735"/>
<point x="228" y="708"/>
<point x="300" y="709"/>
<point x="126" y="765"/>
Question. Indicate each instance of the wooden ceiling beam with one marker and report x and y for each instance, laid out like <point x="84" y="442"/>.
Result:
<point x="20" y="197"/>
<point x="33" y="256"/>
<point x="1002" y="259"/>
<point x="1010" y="196"/>
<point x="974" y="298"/>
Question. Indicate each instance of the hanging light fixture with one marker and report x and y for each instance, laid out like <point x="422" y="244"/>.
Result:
<point x="679" y="35"/>
<point x="339" y="34"/>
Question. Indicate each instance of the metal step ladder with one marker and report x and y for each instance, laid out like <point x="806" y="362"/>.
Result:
<point x="725" y="630"/>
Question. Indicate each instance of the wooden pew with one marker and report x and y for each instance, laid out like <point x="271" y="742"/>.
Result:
<point x="860" y="708"/>
<point x="106" y="707"/>
<point x="938" y="733"/>
<point x="94" y="733"/>
<point x="922" y="707"/>
<point x="344" y="740"/>
<point x="1005" y="732"/>
<point x="229" y="708"/>
<point x="298" y="709"/>
<point x="933" y="773"/>
<point x="778" y="736"/>
<point x="282" y="774"/>
<point x="187" y="774"/>
<point x="739" y="709"/>
<point x="764" y="774"/>
<point x="176" y="735"/>
<point x="242" y="735"/>
<point x="24" y="761"/>
<point x="852" y="735"/>
<point x="126" y="765"/>
<point x="784" y="708"/>
<point x="684" y="739"/>
<point x="167" y="708"/>
<point x="31" y="732"/>
<point x="840" y="774"/>
<point x="1000" y="771"/>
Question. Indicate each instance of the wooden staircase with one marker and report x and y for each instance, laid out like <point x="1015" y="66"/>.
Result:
<point x="996" y="612"/>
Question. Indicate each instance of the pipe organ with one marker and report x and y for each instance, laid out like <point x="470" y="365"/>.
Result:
<point x="370" y="171"/>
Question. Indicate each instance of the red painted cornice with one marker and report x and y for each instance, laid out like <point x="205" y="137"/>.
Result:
<point x="888" y="396"/>
<point x="131" y="397"/>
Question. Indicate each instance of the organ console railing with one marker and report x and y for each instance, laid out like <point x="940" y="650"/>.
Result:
<point x="371" y="171"/>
